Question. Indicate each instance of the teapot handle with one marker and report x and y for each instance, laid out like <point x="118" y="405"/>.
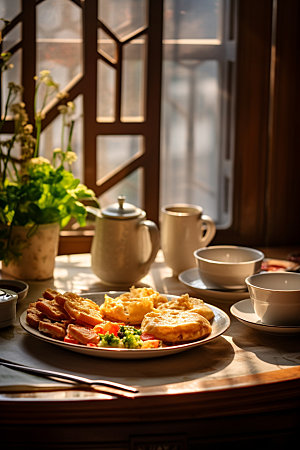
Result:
<point x="155" y="240"/>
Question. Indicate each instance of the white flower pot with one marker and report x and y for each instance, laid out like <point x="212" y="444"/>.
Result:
<point x="38" y="255"/>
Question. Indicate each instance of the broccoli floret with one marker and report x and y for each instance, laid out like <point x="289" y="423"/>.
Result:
<point x="109" y="340"/>
<point x="132" y="341"/>
<point x="128" y="337"/>
<point x="127" y="329"/>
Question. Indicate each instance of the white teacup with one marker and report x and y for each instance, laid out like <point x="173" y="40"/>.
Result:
<point x="276" y="297"/>
<point x="184" y="228"/>
<point x="227" y="266"/>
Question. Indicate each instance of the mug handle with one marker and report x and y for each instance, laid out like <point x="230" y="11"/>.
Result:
<point x="210" y="226"/>
<point x="154" y="238"/>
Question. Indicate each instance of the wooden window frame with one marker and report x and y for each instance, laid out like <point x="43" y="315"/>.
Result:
<point x="266" y="181"/>
<point x="267" y="158"/>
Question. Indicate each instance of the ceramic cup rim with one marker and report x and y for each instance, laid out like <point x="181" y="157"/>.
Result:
<point x="260" y="255"/>
<point x="182" y="209"/>
<point x="249" y="281"/>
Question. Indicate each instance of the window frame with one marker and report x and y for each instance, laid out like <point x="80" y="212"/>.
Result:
<point x="266" y="181"/>
<point x="266" y="157"/>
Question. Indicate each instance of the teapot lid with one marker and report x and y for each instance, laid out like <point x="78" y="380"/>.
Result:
<point x="121" y="210"/>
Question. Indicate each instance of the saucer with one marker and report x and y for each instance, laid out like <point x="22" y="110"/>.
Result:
<point x="244" y="312"/>
<point x="192" y="279"/>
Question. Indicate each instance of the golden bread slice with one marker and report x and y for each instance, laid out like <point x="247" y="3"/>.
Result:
<point x="175" y="326"/>
<point x="83" y="310"/>
<point x="187" y="303"/>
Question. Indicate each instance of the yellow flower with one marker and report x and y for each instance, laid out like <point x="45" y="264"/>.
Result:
<point x="39" y="160"/>
<point x="62" y="109"/>
<point x="40" y="115"/>
<point x="70" y="157"/>
<point x="44" y="73"/>
<point x="71" y="106"/>
<point x="61" y="95"/>
<point x="28" y="129"/>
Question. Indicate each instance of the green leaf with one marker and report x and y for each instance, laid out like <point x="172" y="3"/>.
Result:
<point x="50" y="215"/>
<point x="21" y="218"/>
<point x="64" y="222"/>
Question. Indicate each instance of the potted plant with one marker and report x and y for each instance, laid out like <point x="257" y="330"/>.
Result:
<point x="38" y="197"/>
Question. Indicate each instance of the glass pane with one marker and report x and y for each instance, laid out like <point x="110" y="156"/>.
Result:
<point x="133" y="81"/>
<point x="192" y="19"/>
<point x="106" y="92"/>
<point x="106" y="45"/>
<point x="59" y="40"/>
<point x="114" y="151"/>
<point x="194" y="107"/>
<point x="123" y="17"/>
<point x="190" y="135"/>
<point x="12" y="38"/>
<point x="9" y="9"/>
<point x="51" y="138"/>
<point x="131" y="187"/>
<point x="11" y="75"/>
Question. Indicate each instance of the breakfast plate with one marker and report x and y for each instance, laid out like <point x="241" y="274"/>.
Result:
<point x="244" y="312"/>
<point x="220" y="324"/>
<point x="192" y="279"/>
<point x="279" y="265"/>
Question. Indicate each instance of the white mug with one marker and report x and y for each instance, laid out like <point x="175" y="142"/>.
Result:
<point x="184" y="229"/>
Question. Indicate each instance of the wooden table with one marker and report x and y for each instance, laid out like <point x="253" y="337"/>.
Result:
<point x="242" y="388"/>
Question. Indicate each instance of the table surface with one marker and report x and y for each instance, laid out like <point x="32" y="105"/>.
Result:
<point x="244" y="367"/>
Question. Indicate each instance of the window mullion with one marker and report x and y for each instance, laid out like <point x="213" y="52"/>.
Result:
<point x="29" y="54"/>
<point x="90" y="56"/>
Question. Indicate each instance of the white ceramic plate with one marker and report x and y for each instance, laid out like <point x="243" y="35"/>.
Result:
<point x="244" y="312"/>
<point x="191" y="278"/>
<point x="278" y="265"/>
<point x="220" y="324"/>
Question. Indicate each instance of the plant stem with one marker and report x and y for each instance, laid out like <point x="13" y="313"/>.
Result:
<point x="62" y="132"/>
<point x="3" y="122"/>
<point x="7" y="158"/>
<point x="37" y="142"/>
<point x="38" y="126"/>
<point x="6" y="109"/>
<point x="69" y="146"/>
<point x="6" y="260"/>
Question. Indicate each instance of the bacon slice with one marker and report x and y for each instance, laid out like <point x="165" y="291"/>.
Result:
<point x="33" y="320"/>
<point x="50" y="294"/>
<point x="56" y="330"/>
<point x="34" y="316"/>
<point x="83" y="334"/>
<point x="61" y="299"/>
<point x="52" y="309"/>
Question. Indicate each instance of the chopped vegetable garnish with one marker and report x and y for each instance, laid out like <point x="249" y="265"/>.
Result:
<point x="115" y="335"/>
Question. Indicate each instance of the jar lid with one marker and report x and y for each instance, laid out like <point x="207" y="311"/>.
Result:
<point x="121" y="210"/>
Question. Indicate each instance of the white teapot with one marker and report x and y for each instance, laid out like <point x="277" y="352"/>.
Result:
<point x="125" y="244"/>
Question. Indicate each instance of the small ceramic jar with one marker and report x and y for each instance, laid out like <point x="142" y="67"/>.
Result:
<point x="8" y="306"/>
